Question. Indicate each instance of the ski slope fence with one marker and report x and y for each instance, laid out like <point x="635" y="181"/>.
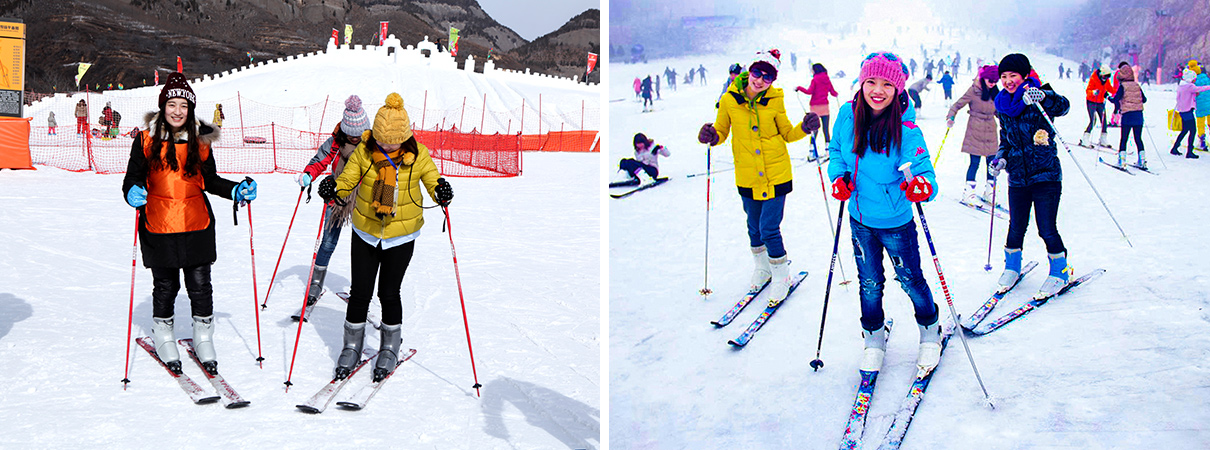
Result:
<point x="262" y="138"/>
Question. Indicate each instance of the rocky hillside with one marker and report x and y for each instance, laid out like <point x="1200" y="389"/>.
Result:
<point x="566" y="50"/>
<point x="1138" y="26"/>
<point x="128" y="40"/>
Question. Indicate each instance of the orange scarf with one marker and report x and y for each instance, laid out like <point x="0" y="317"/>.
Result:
<point x="383" y="194"/>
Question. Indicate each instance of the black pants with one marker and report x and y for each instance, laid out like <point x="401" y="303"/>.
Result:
<point x="1096" y="110"/>
<point x="633" y="166"/>
<point x="1188" y="126"/>
<point x="388" y="266"/>
<point x="827" y="132"/>
<point x="166" y="282"/>
<point x="915" y="97"/>
<point x="1138" y="137"/>
<point x="1044" y="199"/>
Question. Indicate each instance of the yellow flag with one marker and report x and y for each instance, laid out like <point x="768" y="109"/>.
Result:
<point x="80" y="73"/>
<point x="453" y="41"/>
<point x="348" y="34"/>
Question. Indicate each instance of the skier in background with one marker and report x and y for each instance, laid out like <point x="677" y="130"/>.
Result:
<point x="1029" y="154"/>
<point x="982" y="138"/>
<point x="1060" y="71"/>
<point x="171" y="165"/>
<point x="701" y="72"/>
<point x="819" y="90"/>
<point x="81" y="118"/>
<point x="50" y="123"/>
<point x="218" y="115"/>
<point x="646" y="91"/>
<point x="732" y="72"/>
<point x="874" y="137"/>
<point x="644" y="167"/>
<point x="918" y="87"/>
<point x="947" y="85"/>
<point x="334" y="154"/>
<point x="763" y="172"/>
<point x="388" y="172"/>
<point x="1202" y="109"/>
<point x="913" y="68"/>
<point x="1099" y="88"/>
<point x="656" y="85"/>
<point x="1129" y="99"/>
<point x="1186" y="99"/>
<point x="638" y="88"/>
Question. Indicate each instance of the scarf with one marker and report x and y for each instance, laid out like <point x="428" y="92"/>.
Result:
<point x="383" y="193"/>
<point x="1011" y="104"/>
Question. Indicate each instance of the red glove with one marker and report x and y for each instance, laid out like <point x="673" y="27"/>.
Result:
<point x="842" y="188"/>
<point x="917" y="190"/>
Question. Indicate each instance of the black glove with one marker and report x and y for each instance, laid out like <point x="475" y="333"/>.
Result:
<point x="810" y="122"/>
<point x="445" y="193"/>
<point x="708" y="135"/>
<point x="656" y="150"/>
<point x="327" y="189"/>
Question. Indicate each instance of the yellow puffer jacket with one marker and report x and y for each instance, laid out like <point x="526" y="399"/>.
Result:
<point x="409" y="217"/>
<point x="759" y="131"/>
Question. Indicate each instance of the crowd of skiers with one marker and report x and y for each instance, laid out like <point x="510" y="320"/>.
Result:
<point x="379" y="172"/>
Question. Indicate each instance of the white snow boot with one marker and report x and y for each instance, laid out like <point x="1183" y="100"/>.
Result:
<point x="164" y="337"/>
<point x="1060" y="275"/>
<point x="930" y="345"/>
<point x="350" y="352"/>
<point x="1086" y="140"/>
<point x="968" y="194"/>
<point x="317" y="284"/>
<point x="875" y="347"/>
<point x="1104" y="142"/>
<point x="624" y="177"/>
<point x="1012" y="269"/>
<point x="1142" y="160"/>
<point x="989" y="191"/>
<point x="780" y="286"/>
<point x="643" y="177"/>
<point x="388" y="350"/>
<point x="763" y="273"/>
<point x="203" y="342"/>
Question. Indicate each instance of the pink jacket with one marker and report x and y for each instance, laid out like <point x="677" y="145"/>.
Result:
<point x="649" y="156"/>
<point x="1186" y="96"/>
<point x="820" y="88"/>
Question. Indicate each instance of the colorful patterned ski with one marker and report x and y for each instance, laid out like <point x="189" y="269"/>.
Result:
<point x="735" y="310"/>
<point x="973" y="320"/>
<point x="743" y="339"/>
<point x="907" y="409"/>
<point x="861" y="405"/>
<point x="1034" y="304"/>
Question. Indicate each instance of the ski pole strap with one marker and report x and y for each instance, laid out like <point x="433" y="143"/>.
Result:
<point x="308" y="190"/>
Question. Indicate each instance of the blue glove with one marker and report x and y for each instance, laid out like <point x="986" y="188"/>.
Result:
<point x="136" y="196"/>
<point x="305" y="180"/>
<point x="245" y="192"/>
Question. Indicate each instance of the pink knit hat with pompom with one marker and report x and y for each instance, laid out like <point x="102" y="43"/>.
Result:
<point x="885" y="65"/>
<point x="355" y="120"/>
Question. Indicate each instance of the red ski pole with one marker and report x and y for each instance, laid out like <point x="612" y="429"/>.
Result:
<point x="134" y="256"/>
<point x="259" y="356"/>
<point x="318" y="241"/>
<point x="283" y="247"/>
<point x="462" y="300"/>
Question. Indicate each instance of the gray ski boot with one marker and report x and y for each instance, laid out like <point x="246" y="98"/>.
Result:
<point x="203" y="342"/>
<point x="350" y="353"/>
<point x="388" y="351"/>
<point x="164" y="336"/>
<point x="317" y="284"/>
<point x="875" y="347"/>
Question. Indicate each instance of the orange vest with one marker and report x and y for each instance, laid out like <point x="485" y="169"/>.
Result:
<point x="176" y="203"/>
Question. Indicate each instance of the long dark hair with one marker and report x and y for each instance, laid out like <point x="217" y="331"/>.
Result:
<point x="884" y="131"/>
<point x="408" y="146"/>
<point x="818" y="68"/>
<point x="193" y="156"/>
<point x="339" y="136"/>
<point x="987" y="93"/>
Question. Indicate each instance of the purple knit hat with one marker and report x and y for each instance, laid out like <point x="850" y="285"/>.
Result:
<point x="885" y="65"/>
<point x="355" y="121"/>
<point x="989" y="72"/>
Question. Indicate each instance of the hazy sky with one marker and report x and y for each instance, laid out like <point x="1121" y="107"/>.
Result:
<point x="533" y="18"/>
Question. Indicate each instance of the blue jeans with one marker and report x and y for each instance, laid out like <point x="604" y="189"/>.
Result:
<point x="1044" y="199"/>
<point x="901" y="245"/>
<point x="328" y="245"/>
<point x="764" y="224"/>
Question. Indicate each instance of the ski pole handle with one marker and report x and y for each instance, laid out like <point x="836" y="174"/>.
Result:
<point x="906" y="168"/>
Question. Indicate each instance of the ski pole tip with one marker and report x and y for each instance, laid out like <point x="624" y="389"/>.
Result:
<point x="987" y="268"/>
<point x="817" y="364"/>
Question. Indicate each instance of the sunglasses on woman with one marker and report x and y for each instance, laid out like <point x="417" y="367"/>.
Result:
<point x="757" y="73"/>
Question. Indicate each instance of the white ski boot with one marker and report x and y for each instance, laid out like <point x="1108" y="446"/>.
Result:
<point x="624" y="178"/>
<point x="388" y="350"/>
<point x="164" y="337"/>
<point x="1104" y="139"/>
<point x="643" y="177"/>
<point x="969" y="196"/>
<point x="780" y="286"/>
<point x="875" y="347"/>
<point x="1086" y="140"/>
<point x="1012" y="269"/>
<point x="1060" y="275"/>
<point x="930" y="345"/>
<point x="989" y="191"/>
<point x="763" y="273"/>
<point x="350" y="353"/>
<point x="203" y="342"/>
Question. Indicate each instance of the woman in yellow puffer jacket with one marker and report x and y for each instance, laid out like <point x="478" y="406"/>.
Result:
<point x="754" y="113"/>
<point x="390" y="166"/>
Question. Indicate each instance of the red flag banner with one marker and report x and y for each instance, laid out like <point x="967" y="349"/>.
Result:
<point x="179" y="68"/>
<point x="157" y="78"/>
<point x="592" y="62"/>
<point x="335" y="36"/>
<point x="382" y="32"/>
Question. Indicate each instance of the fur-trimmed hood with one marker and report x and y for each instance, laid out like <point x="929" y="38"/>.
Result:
<point x="206" y="132"/>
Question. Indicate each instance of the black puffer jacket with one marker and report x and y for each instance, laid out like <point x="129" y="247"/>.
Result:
<point x="1028" y="144"/>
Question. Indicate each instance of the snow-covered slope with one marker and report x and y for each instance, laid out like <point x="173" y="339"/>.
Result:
<point x="1118" y="363"/>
